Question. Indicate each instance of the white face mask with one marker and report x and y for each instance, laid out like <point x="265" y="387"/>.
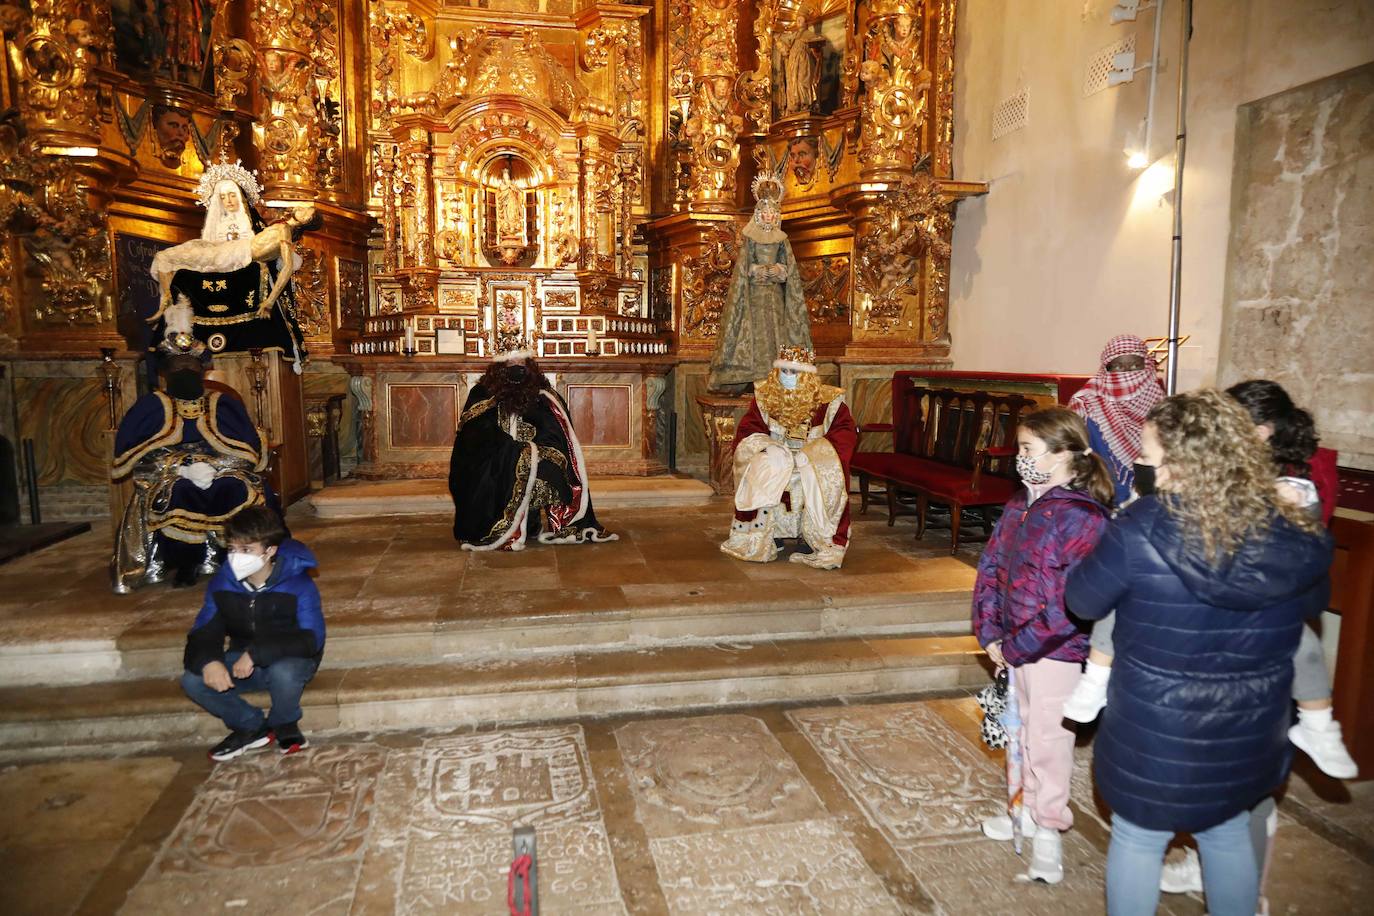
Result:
<point x="244" y="565"/>
<point x="787" y="378"/>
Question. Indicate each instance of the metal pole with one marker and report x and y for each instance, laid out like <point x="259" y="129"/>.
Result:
<point x="1180" y="150"/>
<point x="31" y="471"/>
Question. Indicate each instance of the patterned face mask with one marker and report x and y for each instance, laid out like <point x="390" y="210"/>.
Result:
<point x="1025" y="467"/>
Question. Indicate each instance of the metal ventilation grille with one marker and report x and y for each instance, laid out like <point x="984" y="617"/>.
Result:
<point x="1100" y="64"/>
<point x="1012" y="113"/>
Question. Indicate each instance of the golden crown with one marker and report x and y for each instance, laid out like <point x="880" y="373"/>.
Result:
<point x="798" y="359"/>
<point x="767" y="186"/>
<point x="226" y="171"/>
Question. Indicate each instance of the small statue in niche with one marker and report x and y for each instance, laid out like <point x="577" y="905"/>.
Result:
<point x="764" y="308"/>
<point x="801" y="59"/>
<point x="511" y="238"/>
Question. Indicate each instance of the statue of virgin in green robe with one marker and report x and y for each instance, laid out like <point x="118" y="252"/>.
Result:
<point x="764" y="309"/>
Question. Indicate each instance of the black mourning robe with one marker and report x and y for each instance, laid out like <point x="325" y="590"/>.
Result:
<point x="517" y="477"/>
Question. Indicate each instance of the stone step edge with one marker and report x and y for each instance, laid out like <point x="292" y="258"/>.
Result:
<point x="93" y="661"/>
<point x="340" y="698"/>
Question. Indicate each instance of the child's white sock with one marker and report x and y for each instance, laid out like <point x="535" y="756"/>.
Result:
<point x="1099" y="674"/>
<point x="1312" y="718"/>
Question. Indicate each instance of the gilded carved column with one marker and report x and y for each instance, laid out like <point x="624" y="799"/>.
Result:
<point x="416" y="157"/>
<point x="386" y="170"/>
<point x="714" y="125"/>
<point x="54" y="55"/>
<point x="287" y="132"/>
<point x="897" y="85"/>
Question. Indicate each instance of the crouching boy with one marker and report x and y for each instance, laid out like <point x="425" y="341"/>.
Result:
<point x="262" y="600"/>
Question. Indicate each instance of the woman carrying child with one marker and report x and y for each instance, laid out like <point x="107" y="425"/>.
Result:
<point x="1211" y="579"/>
<point x="1019" y="615"/>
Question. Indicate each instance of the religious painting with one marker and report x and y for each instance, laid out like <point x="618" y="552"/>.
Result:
<point x="165" y="38"/>
<point x="352" y="284"/>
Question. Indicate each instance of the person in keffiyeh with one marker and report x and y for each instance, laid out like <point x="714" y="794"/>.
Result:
<point x="1114" y="403"/>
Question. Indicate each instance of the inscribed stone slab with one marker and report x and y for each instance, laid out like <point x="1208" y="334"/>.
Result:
<point x="709" y="773"/>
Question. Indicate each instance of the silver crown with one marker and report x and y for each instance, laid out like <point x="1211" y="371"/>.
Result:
<point x="226" y="171"/>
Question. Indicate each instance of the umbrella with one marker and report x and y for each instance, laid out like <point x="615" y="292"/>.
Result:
<point x="1011" y="721"/>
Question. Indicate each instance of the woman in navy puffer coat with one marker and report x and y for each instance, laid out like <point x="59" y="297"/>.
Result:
<point x="1211" y="580"/>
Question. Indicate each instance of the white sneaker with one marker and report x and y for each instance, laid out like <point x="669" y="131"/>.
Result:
<point x="1325" y="747"/>
<point x="1047" y="857"/>
<point x="999" y="827"/>
<point x="1182" y="876"/>
<point x="1087" y="699"/>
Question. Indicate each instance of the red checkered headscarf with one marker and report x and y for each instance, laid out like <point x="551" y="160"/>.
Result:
<point x="1119" y="401"/>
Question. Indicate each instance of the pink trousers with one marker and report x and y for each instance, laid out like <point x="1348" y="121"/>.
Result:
<point x="1047" y="746"/>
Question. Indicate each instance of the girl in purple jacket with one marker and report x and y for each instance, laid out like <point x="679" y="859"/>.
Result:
<point x="1019" y="616"/>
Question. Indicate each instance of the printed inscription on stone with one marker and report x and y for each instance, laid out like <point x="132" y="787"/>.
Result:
<point x="268" y="810"/>
<point x="809" y="867"/>
<point x="715" y="771"/>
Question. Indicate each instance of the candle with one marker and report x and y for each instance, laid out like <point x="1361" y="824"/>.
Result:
<point x="410" y="337"/>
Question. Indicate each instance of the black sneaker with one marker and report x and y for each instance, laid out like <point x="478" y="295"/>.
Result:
<point x="240" y="742"/>
<point x="290" y="740"/>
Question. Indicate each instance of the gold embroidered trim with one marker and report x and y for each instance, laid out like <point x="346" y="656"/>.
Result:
<point x="225" y="444"/>
<point x="169" y="434"/>
<point x="475" y="411"/>
<point x="517" y="496"/>
<point x="231" y="319"/>
<point x="190" y="410"/>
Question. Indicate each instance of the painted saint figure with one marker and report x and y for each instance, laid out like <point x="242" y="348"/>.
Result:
<point x="792" y="453"/>
<point x="764" y="308"/>
<point x="517" y="473"/>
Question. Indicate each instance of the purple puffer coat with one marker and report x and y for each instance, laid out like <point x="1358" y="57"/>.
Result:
<point x="1019" y="594"/>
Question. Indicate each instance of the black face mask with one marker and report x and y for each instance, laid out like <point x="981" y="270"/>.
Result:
<point x="1144" y="479"/>
<point x="185" y="385"/>
<point x="516" y="373"/>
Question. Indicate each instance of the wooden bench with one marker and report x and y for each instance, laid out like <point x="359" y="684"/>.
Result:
<point x="950" y="447"/>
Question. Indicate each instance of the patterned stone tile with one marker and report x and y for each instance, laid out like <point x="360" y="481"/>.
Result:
<point x="809" y="867"/>
<point x="709" y="773"/>
<point x="927" y="789"/>
<point x="918" y="779"/>
<point x="268" y="829"/>
<point x="446" y="811"/>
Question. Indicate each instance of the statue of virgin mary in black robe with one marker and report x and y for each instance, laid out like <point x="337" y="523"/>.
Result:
<point x="517" y="471"/>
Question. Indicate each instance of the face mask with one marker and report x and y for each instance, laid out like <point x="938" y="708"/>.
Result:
<point x="244" y="565"/>
<point x="787" y="379"/>
<point x="1144" y="479"/>
<point x="1025" y="467"/>
<point x="516" y="373"/>
<point x="185" y="385"/>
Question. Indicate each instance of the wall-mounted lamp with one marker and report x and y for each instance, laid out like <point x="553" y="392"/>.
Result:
<point x="1137" y="148"/>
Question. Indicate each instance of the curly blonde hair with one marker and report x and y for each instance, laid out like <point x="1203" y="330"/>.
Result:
<point x="1221" y="474"/>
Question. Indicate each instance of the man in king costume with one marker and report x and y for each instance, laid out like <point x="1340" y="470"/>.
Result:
<point x="765" y="307"/>
<point x="792" y="452"/>
<point x="235" y="300"/>
<point x="517" y="471"/>
<point x="196" y="460"/>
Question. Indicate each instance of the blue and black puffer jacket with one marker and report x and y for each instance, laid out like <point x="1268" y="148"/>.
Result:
<point x="1196" y="724"/>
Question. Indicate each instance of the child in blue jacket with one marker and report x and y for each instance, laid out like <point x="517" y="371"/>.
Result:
<point x="265" y="603"/>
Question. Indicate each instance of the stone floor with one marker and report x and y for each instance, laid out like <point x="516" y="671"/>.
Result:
<point x="779" y="810"/>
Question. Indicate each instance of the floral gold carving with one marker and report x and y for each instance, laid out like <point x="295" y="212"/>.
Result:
<point x="54" y="54"/>
<point x="896" y="89"/>
<point x="352" y="288"/>
<point x="914" y="221"/>
<point x="825" y="282"/>
<point x="312" y="294"/>
<point x="714" y="125"/>
<point x="706" y="281"/>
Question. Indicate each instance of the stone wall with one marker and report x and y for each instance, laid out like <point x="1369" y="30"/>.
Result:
<point x="1070" y="246"/>
<point x="1301" y="265"/>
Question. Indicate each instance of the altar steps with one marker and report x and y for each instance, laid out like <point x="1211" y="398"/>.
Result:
<point x="529" y="687"/>
<point x="369" y="498"/>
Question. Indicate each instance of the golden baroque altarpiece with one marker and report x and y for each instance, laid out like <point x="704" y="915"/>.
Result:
<point x="566" y="172"/>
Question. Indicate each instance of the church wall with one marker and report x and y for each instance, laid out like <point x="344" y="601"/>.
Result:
<point x="1070" y="246"/>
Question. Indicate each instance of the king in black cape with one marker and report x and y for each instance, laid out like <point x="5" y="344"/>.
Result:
<point x="517" y="471"/>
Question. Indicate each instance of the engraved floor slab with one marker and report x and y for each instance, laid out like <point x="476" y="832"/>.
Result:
<point x="446" y="810"/>
<point x="779" y="870"/>
<point x="269" y="829"/>
<point x="709" y="773"/>
<point x="927" y="789"/>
